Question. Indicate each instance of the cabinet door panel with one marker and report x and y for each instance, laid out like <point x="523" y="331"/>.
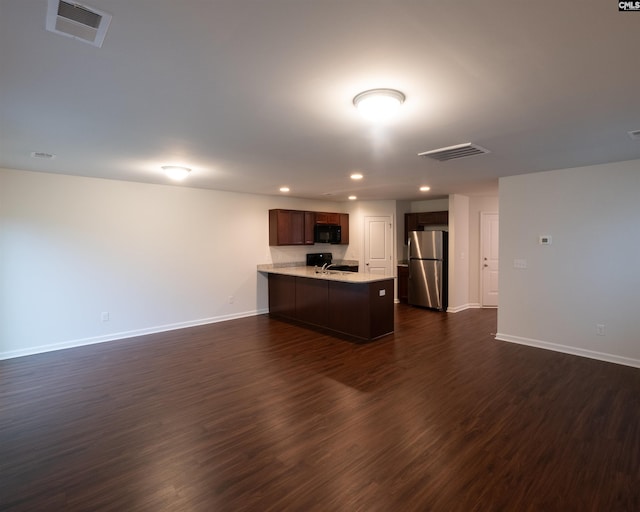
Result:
<point x="309" y="223"/>
<point x="282" y="295"/>
<point x="287" y="227"/>
<point x="294" y="229"/>
<point x="433" y="218"/>
<point x="312" y="301"/>
<point x="327" y="218"/>
<point x="344" y="228"/>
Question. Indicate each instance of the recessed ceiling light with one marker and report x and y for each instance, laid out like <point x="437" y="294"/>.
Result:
<point x="425" y="189"/>
<point x="378" y="104"/>
<point x="284" y="189"/>
<point x="176" y="173"/>
<point x="352" y="198"/>
<point x="356" y="176"/>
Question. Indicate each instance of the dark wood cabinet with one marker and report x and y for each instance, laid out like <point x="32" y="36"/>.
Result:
<point x="363" y="311"/>
<point x="282" y="296"/>
<point x="290" y="227"/>
<point x="410" y="224"/>
<point x="312" y="301"/>
<point x="296" y="227"/>
<point x="423" y="220"/>
<point x="327" y="218"/>
<point x="309" y="223"/>
<point x="433" y="218"/>
<point x="344" y="228"/>
<point x="403" y="284"/>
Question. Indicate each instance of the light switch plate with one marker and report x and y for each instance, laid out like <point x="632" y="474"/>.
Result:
<point x="382" y="293"/>
<point x="519" y="263"/>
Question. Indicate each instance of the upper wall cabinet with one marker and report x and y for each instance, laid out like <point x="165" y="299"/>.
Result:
<point x="295" y="227"/>
<point x="420" y="221"/>
<point x="327" y="218"/>
<point x="290" y="227"/>
<point x="344" y="228"/>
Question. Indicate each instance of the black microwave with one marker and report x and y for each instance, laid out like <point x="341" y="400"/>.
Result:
<point x="327" y="234"/>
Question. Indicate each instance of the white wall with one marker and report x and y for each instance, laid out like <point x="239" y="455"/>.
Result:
<point x="589" y="275"/>
<point x="155" y="257"/>
<point x="358" y="211"/>
<point x="430" y="205"/>
<point x="458" y="253"/>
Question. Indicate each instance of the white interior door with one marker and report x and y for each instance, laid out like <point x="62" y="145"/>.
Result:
<point x="378" y="245"/>
<point x="489" y="259"/>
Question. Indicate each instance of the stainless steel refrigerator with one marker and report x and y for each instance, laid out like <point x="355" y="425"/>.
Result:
<point x="428" y="269"/>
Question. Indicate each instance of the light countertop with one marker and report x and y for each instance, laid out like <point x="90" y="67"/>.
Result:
<point x="333" y="275"/>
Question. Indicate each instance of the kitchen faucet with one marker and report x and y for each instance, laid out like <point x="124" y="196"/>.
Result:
<point x="325" y="268"/>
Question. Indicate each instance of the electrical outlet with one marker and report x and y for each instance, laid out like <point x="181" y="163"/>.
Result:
<point x="104" y="316"/>
<point x="600" y="329"/>
<point x="231" y="299"/>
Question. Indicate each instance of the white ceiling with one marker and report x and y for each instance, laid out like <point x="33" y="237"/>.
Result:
<point x="255" y="94"/>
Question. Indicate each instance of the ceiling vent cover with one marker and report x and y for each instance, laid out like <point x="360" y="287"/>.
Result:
<point x="77" y="21"/>
<point x="454" y="152"/>
<point x="42" y="154"/>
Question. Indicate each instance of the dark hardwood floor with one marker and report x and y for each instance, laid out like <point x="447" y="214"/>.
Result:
<point x="257" y="414"/>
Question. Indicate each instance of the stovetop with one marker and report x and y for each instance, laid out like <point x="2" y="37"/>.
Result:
<point x="319" y="258"/>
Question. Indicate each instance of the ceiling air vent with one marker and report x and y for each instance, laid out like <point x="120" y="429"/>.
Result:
<point x="77" y="21"/>
<point x="453" y="152"/>
<point x="42" y="154"/>
<point x="634" y="134"/>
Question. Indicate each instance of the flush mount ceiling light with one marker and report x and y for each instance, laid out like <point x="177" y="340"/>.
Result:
<point x="425" y="189"/>
<point x="356" y="176"/>
<point x="352" y="198"/>
<point x="378" y="104"/>
<point x="175" y="172"/>
<point x="284" y="189"/>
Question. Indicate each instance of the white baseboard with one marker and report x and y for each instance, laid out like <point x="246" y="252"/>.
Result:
<point x="591" y="354"/>
<point x="126" y="334"/>
<point x="457" y="309"/>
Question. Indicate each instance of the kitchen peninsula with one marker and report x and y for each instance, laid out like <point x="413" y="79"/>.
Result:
<point x="353" y="304"/>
